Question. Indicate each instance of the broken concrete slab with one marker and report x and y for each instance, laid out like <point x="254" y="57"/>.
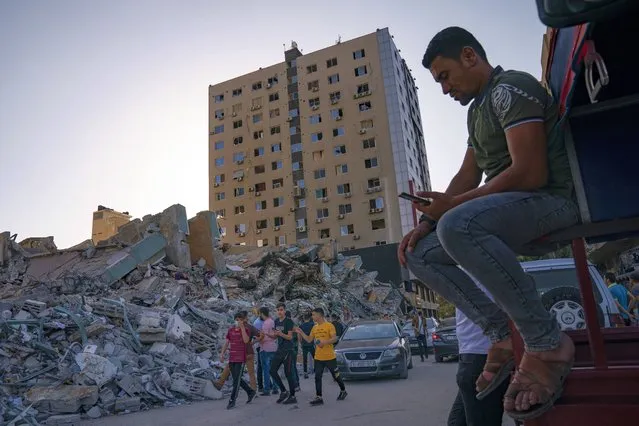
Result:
<point x="63" y="398"/>
<point x="203" y="240"/>
<point x="95" y="367"/>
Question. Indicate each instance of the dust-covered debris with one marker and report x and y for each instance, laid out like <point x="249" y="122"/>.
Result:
<point x="115" y="328"/>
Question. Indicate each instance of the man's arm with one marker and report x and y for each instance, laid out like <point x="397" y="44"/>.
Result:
<point x="332" y="337"/>
<point x="307" y="337"/>
<point x="224" y="349"/>
<point x="529" y="168"/>
<point x="468" y="177"/>
<point x="245" y="336"/>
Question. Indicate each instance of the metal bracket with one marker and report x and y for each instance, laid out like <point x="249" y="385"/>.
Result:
<point x="594" y="58"/>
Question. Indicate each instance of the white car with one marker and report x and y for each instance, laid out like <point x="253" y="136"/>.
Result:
<point x="557" y="283"/>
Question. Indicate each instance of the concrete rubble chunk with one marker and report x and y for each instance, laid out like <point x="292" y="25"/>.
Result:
<point x="137" y="321"/>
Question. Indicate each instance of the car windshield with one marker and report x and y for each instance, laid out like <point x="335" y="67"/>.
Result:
<point x="548" y="279"/>
<point x="370" y="331"/>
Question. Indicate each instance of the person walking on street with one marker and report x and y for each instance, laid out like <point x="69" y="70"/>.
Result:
<point x="421" y="328"/>
<point x="296" y="351"/>
<point x="308" y="348"/>
<point x="283" y="331"/>
<point x="258" y="349"/>
<point x="623" y="297"/>
<point x="324" y="335"/>
<point x="236" y="340"/>
<point x="268" y="347"/>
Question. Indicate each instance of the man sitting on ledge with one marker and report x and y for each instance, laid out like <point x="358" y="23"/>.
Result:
<point x="514" y="139"/>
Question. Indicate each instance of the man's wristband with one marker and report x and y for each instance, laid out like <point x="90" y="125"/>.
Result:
<point x="424" y="218"/>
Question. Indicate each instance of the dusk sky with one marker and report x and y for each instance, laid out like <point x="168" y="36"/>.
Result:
<point x="105" y="102"/>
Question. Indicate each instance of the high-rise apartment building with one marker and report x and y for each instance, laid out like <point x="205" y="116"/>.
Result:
<point x="318" y="147"/>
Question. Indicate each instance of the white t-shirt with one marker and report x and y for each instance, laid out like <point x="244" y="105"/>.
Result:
<point x="471" y="338"/>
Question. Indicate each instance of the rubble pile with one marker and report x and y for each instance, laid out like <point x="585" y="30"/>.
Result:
<point x="96" y="330"/>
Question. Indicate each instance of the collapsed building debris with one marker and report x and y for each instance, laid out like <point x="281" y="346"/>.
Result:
<point x="130" y="324"/>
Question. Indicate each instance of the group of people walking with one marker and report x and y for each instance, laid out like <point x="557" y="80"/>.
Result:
<point x="278" y="345"/>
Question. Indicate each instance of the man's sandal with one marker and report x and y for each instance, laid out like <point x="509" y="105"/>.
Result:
<point x="500" y="363"/>
<point x="543" y="378"/>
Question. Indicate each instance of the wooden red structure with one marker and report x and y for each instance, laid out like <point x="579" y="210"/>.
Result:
<point x="594" y="74"/>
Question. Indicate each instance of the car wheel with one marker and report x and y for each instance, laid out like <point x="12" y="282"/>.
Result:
<point x="404" y="373"/>
<point x="565" y="304"/>
<point x="410" y="363"/>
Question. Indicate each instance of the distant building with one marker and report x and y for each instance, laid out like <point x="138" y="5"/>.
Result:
<point x="106" y="222"/>
<point x="318" y="147"/>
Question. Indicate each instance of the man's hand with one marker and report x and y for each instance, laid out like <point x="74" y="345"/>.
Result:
<point x="410" y="240"/>
<point x="222" y="357"/>
<point x="297" y="330"/>
<point x="440" y="205"/>
<point x="321" y="344"/>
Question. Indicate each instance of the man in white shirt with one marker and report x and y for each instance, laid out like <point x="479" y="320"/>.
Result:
<point x="467" y="410"/>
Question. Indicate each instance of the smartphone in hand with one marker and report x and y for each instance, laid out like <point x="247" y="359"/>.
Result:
<point x="415" y="198"/>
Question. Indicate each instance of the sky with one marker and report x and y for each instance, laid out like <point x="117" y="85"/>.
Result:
<point x="106" y="102"/>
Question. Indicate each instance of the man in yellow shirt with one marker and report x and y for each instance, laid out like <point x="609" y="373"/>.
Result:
<point x="324" y="335"/>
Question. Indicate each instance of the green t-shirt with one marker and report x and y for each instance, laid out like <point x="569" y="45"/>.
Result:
<point x="512" y="98"/>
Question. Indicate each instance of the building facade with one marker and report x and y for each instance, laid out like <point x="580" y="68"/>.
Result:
<point x="318" y="147"/>
<point x="106" y="222"/>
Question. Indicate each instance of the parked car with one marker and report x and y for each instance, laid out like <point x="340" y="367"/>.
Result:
<point x="408" y="330"/>
<point x="445" y="343"/>
<point x="373" y="349"/>
<point x="557" y="284"/>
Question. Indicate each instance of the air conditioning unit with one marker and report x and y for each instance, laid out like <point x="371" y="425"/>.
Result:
<point x="258" y="193"/>
<point x="334" y="101"/>
<point x="289" y="119"/>
<point x="369" y="190"/>
<point x="319" y="220"/>
<point x="315" y="107"/>
<point x="381" y="209"/>
<point x="340" y="216"/>
<point x="297" y="191"/>
<point x="242" y="234"/>
<point x="347" y="195"/>
<point x="251" y="189"/>
<point x="356" y="237"/>
<point x="234" y="114"/>
<point x="338" y="118"/>
<point x="315" y="89"/>
<point x="276" y="228"/>
<point x="372" y="210"/>
<point x="240" y="179"/>
<point x="292" y="209"/>
<point x="220" y="117"/>
<point x="362" y="131"/>
<point x="377" y="188"/>
<point x="258" y="231"/>
<point x="277" y="185"/>
<point x="268" y="86"/>
<point x="216" y="184"/>
<point x="253" y="108"/>
<point x="301" y="228"/>
<point x="239" y="162"/>
<point x="325" y="200"/>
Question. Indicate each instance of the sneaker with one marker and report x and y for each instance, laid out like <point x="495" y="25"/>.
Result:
<point x="265" y="393"/>
<point x="230" y="405"/>
<point x="317" y="401"/>
<point x="292" y="399"/>
<point x="283" y="396"/>
<point x="342" y="395"/>
<point x="251" y="397"/>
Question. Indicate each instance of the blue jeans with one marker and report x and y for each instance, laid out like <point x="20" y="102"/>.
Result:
<point x="265" y="359"/>
<point x="482" y="236"/>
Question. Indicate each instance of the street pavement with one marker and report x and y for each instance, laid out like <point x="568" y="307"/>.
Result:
<point x="423" y="399"/>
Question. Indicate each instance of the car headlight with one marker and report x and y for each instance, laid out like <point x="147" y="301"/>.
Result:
<point x="391" y="353"/>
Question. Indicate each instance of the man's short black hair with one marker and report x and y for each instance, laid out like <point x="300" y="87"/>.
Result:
<point x="280" y="305"/>
<point x="264" y="311"/>
<point x="239" y="315"/>
<point x="319" y="311"/>
<point x="611" y="277"/>
<point x="449" y="43"/>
